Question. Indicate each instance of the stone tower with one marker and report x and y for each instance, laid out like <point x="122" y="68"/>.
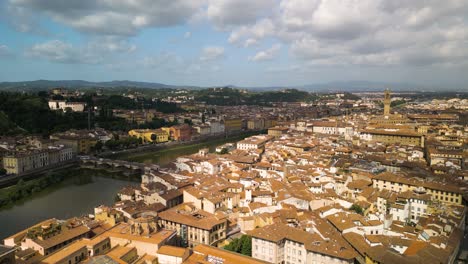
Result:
<point x="387" y="102"/>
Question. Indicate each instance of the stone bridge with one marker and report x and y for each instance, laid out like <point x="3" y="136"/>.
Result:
<point x="88" y="161"/>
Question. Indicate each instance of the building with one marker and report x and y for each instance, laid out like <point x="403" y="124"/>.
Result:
<point x="64" y="106"/>
<point x="203" y="129"/>
<point x="20" y="162"/>
<point x="254" y="142"/>
<point x="194" y="226"/>
<point x="392" y="136"/>
<point x="216" y="127"/>
<point x="208" y="254"/>
<point x="150" y="135"/>
<point x="446" y="193"/>
<point x="256" y="124"/>
<point x="280" y="243"/>
<point x="172" y="255"/>
<point x="232" y="125"/>
<point x="181" y="132"/>
<point x="139" y="239"/>
<point x="277" y="131"/>
<point x="387" y="102"/>
<point x="80" y="141"/>
<point x="7" y="255"/>
<point x="333" y="128"/>
<point x="49" y="236"/>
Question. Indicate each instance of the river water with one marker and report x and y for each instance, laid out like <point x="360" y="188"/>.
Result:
<point x="74" y="197"/>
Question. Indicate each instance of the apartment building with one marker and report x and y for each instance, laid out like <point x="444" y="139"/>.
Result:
<point x="254" y="142"/>
<point x="280" y="243"/>
<point x="443" y="192"/>
<point x="232" y="125"/>
<point x="20" y="162"/>
<point x="80" y="141"/>
<point x="332" y="128"/>
<point x="64" y="106"/>
<point x="194" y="226"/>
<point x="392" y="136"/>
<point x="150" y="135"/>
<point x="277" y="131"/>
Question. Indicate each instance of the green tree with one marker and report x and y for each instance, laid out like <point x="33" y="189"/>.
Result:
<point x="188" y="121"/>
<point x="358" y="209"/>
<point x="224" y="151"/>
<point x="242" y="245"/>
<point x="246" y="248"/>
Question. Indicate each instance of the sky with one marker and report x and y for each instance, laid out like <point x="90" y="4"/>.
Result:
<point x="236" y="42"/>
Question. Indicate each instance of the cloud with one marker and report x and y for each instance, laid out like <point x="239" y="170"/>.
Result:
<point x="252" y="33"/>
<point x="265" y="55"/>
<point x="226" y="13"/>
<point x="5" y="51"/>
<point x="187" y="35"/>
<point x="104" y="17"/>
<point x="164" y="60"/>
<point x="211" y="53"/>
<point x="365" y="32"/>
<point x="96" y="51"/>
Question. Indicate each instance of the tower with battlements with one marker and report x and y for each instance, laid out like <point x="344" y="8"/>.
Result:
<point x="387" y="102"/>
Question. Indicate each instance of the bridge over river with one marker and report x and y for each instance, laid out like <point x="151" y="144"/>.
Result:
<point x="101" y="163"/>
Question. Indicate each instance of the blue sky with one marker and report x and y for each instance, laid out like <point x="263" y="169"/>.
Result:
<point x="238" y="42"/>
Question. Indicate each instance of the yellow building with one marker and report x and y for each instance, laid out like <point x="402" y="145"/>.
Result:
<point x="445" y="193"/>
<point x="150" y="135"/>
<point x="232" y="124"/>
<point x="392" y="136"/>
<point x="21" y="162"/>
<point x="194" y="226"/>
<point x="277" y="131"/>
<point x="80" y="143"/>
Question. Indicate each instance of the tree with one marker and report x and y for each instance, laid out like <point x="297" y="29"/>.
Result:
<point x="98" y="146"/>
<point x="246" y="248"/>
<point x="242" y="245"/>
<point x="358" y="209"/>
<point x="188" y="121"/>
<point x="224" y="151"/>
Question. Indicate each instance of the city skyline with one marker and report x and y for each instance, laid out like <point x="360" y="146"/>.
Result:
<point x="244" y="43"/>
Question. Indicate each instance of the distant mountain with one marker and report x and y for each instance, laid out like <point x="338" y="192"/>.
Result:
<point x="362" y="86"/>
<point x="74" y="84"/>
<point x="342" y="86"/>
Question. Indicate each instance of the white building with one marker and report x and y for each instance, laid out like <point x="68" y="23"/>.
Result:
<point x="64" y="105"/>
<point x="280" y="243"/>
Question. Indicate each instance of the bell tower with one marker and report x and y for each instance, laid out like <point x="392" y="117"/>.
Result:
<point x="387" y="102"/>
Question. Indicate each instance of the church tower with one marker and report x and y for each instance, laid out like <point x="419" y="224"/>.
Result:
<point x="387" y="102"/>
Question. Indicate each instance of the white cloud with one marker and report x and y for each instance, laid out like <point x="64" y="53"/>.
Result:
<point x="370" y="32"/>
<point x="116" y="17"/>
<point x="5" y="51"/>
<point x="211" y="53"/>
<point x="259" y="30"/>
<point x="226" y="13"/>
<point x="265" y="55"/>
<point x="58" y="51"/>
<point x="95" y="52"/>
<point x="319" y="32"/>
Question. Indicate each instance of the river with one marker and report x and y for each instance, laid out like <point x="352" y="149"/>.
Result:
<point x="74" y="197"/>
<point x="64" y="200"/>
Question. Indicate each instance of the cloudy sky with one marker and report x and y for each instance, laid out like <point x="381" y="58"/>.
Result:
<point x="240" y="42"/>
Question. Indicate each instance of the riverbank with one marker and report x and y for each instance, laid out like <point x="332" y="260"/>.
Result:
<point x="178" y="144"/>
<point x="74" y="196"/>
<point x="24" y="190"/>
<point x="166" y="155"/>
